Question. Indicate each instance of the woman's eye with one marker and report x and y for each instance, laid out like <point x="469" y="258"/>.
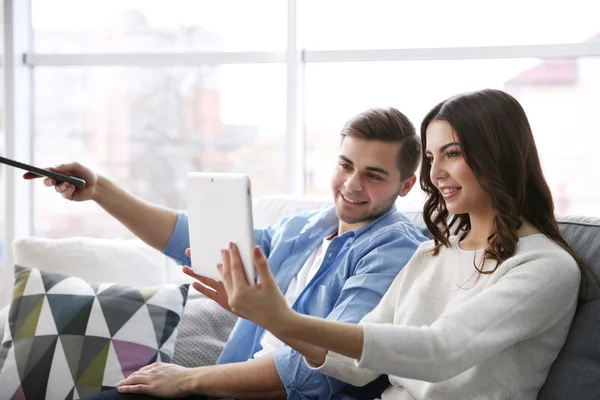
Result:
<point x="430" y="160"/>
<point x="451" y="154"/>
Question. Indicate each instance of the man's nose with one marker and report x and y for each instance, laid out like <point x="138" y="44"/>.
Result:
<point x="353" y="183"/>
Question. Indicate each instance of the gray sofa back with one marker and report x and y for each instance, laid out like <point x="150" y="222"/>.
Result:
<point x="576" y="372"/>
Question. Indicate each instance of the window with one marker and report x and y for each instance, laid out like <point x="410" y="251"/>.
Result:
<point x="107" y="26"/>
<point x="146" y="128"/>
<point x="383" y="24"/>
<point x="561" y="98"/>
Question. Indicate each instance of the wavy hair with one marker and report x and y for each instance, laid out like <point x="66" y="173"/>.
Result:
<point x="498" y="146"/>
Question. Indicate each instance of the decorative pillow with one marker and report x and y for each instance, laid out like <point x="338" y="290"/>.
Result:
<point x="203" y="331"/>
<point x="126" y="262"/>
<point x="67" y="338"/>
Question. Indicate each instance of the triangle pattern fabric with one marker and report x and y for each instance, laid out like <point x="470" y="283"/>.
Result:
<point x="71" y="312"/>
<point x="126" y="307"/>
<point x="46" y="325"/>
<point x="94" y="373"/>
<point x="138" y="326"/>
<point x="21" y="354"/>
<point x="29" y="326"/>
<point x="164" y="357"/>
<point x="132" y="355"/>
<point x="19" y="394"/>
<point x="103" y="286"/>
<point x="49" y="280"/>
<point x="171" y="323"/>
<point x="42" y="349"/>
<point x="38" y="367"/>
<point x="93" y="346"/>
<point x="66" y="338"/>
<point x="21" y="276"/>
<point x="97" y="323"/>
<point x="169" y="296"/>
<point x="25" y="305"/>
<point x="112" y="375"/>
<point x="72" y="286"/>
<point x="34" y="284"/>
<point x="60" y="382"/>
<point x="73" y="348"/>
<point x="159" y="318"/>
<point x="148" y="292"/>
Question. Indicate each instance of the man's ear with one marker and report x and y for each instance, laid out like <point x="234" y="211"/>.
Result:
<point x="407" y="185"/>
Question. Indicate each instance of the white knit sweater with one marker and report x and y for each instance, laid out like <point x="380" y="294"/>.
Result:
<point x="444" y="332"/>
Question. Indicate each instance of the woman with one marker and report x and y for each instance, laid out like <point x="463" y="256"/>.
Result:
<point x="483" y="309"/>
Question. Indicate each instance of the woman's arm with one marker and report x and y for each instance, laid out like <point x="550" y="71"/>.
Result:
<point x="265" y="305"/>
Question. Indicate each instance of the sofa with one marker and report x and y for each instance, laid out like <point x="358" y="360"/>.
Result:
<point x="204" y="327"/>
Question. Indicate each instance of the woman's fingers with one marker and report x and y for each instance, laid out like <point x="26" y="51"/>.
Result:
<point x="238" y="275"/>
<point x="262" y="266"/>
<point x="226" y="271"/>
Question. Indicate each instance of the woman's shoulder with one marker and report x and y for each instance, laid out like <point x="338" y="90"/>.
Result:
<point x="544" y="252"/>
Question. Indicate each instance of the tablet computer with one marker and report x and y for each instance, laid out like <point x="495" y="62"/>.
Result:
<point x="78" y="182"/>
<point x="219" y="211"/>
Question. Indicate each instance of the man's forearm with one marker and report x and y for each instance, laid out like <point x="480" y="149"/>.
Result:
<point x="253" y="379"/>
<point x="151" y="223"/>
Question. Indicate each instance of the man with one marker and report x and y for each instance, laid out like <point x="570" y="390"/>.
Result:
<point x="335" y="263"/>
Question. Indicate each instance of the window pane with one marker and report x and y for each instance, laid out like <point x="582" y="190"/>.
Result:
<point x="354" y="24"/>
<point x="561" y="99"/>
<point x="158" y="25"/>
<point x="3" y="271"/>
<point x="146" y="128"/>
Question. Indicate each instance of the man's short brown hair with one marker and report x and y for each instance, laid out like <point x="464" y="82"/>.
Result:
<point x="389" y="125"/>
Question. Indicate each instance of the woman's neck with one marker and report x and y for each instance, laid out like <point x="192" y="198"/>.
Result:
<point x="482" y="227"/>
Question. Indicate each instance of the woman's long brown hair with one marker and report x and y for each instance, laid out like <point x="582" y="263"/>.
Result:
<point x="498" y="146"/>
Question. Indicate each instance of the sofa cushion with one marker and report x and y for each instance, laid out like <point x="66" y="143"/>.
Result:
<point x="205" y="327"/>
<point x="127" y="262"/>
<point x="576" y="372"/>
<point x="67" y="338"/>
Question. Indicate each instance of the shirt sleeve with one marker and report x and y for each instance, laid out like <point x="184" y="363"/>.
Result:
<point x="180" y="240"/>
<point x="374" y="273"/>
<point x="530" y="298"/>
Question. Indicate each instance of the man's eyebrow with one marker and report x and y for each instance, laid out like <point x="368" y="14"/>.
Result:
<point x="444" y="147"/>
<point x="372" y="169"/>
<point x="346" y="159"/>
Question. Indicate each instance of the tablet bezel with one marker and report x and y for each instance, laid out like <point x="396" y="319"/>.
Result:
<point x="219" y="212"/>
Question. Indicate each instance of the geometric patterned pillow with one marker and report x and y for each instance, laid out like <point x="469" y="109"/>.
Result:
<point x="68" y="339"/>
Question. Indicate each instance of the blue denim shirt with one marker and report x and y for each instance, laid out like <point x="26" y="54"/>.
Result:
<point x="357" y="270"/>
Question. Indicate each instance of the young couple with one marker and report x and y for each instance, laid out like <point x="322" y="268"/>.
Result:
<point x="480" y="311"/>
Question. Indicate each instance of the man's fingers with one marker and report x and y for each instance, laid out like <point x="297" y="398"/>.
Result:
<point x="49" y="182"/>
<point x="262" y="266"/>
<point x="237" y="267"/>
<point x="136" y="378"/>
<point x="140" y="389"/>
<point x="211" y="294"/>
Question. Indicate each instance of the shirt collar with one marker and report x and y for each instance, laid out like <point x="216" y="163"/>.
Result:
<point x="326" y="222"/>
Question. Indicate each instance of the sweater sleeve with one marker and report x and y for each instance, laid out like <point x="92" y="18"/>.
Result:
<point x="344" y="368"/>
<point x="539" y="291"/>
